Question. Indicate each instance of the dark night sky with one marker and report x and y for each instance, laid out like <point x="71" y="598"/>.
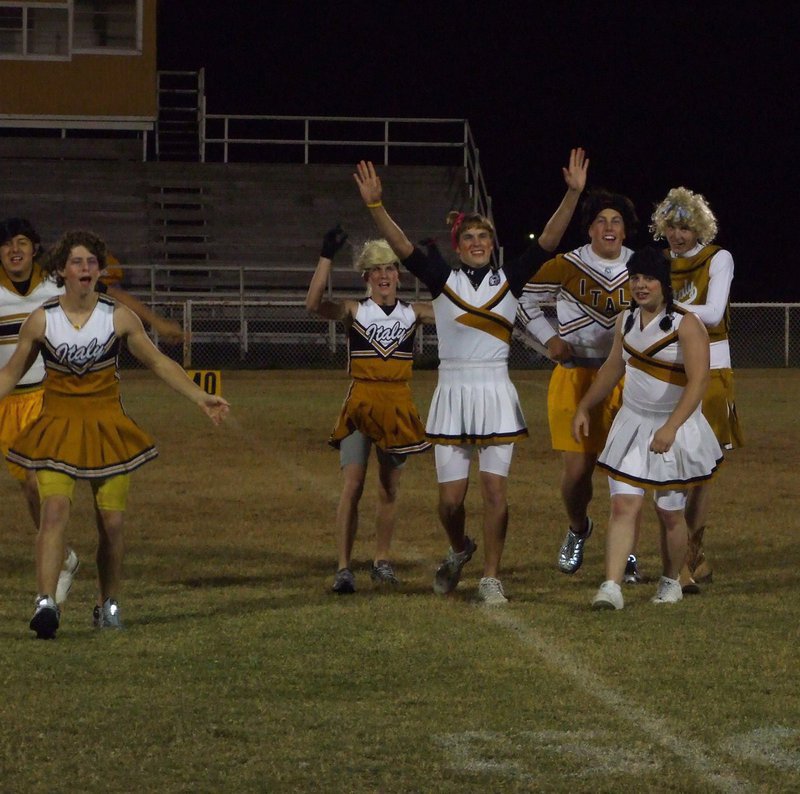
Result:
<point x="660" y="94"/>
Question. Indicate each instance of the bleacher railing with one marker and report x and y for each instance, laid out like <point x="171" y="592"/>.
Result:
<point x="317" y="139"/>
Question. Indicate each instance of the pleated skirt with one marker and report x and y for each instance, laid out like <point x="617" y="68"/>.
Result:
<point x="475" y="403"/>
<point x="694" y="457"/>
<point x="384" y="411"/>
<point x="84" y="437"/>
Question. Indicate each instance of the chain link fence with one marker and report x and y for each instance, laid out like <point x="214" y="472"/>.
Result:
<point x="280" y="334"/>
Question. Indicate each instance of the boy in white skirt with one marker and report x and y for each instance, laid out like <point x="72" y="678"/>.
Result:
<point x="660" y="438"/>
<point x="475" y="411"/>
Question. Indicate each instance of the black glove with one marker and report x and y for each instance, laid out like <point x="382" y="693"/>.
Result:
<point x="333" y="241"/>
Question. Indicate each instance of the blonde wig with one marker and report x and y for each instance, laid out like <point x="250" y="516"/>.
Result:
<point x="374" y="253"/>
<point x="684" y="208"/>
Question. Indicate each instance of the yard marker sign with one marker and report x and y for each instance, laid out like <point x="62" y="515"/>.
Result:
<point x="209" y="380"/>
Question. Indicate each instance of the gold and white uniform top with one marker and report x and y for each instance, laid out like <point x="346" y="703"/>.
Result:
<point x="589" y="292"/>
<point x="701" y="282"/>
<point x="81" y="361"/>
<point x="654" y="373"/>
<point x="83" y="430"/>
<point x="381" y="345"/>
<point x="475" y="325"/>
<point x="655" y="379"/>
<point x="14" y="310"/>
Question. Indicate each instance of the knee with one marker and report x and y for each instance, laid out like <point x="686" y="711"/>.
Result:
<point x="387" y="494"/>
<point x="110" y="524"/>
<point x="450" y="504"/>
<point x="625" y="509"/>
<point x="353" y="489"/>
<point x="495" y="499"/>
<point x="670" y="519"/>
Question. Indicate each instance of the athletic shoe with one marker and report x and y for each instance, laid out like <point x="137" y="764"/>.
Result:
<point x="609" y="596"/>
<point x="45" y="618"/>
<point x="344" y="582"/>
<point x="383" y="573"/>
<point x="570" y="555"/>
<point x="669" y="591"/>
<point x="107" y="616"/>
<point x="490" y="592"/>
<point x="71" y="565"/>
<point x="632" y="575"/>
<point x="449" y="571"/>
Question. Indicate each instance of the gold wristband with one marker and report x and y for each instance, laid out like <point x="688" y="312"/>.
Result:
<point x="375" y="205"/>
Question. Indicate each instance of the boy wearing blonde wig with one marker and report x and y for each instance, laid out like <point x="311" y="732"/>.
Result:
<point x="701" y="275"/>
<point x="378" y="410"/>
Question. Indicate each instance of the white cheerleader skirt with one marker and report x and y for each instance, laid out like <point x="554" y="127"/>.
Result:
<point x="694" y="457"/>
<point x="475" y="403"/>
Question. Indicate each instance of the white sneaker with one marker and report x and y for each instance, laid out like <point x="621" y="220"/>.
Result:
<point x="609" y="596"/>
<point x="669" y="591"/>
<point x="71" y="565"/>
<point x="490" y="592"/>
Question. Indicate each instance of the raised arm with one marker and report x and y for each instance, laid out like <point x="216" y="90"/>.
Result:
<point x="693" y="339"/>
<point x="608" y="376"/>
<point x="28" y="344"/>
<point x="168" y="330"/>
<point x="369" y="185"/>
<point x="575" y="177"/>
<point x="129" y="327"/>
<point x="332" y="242"/>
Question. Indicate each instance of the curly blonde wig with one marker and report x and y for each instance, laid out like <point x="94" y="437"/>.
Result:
<point x="374" y="253"/>
<point x="684" y="208"/>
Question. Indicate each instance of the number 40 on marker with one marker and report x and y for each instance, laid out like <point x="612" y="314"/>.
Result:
<point x="209" y="380"/>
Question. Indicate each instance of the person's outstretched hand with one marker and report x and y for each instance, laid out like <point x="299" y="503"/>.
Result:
<point x="575" y="172"/>
<point x="369" y="183"/>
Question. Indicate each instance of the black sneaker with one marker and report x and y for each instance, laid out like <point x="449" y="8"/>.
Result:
<point x="45" y="618"/>
<point x="344" y="583"/>
<point x="632" y="574"/>
<point x="448" y="573"/>
<point x="383" y="573"/>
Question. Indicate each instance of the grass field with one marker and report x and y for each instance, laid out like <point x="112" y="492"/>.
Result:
<point x="240" y="671"/>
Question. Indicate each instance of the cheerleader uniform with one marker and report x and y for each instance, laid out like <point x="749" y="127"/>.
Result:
<point x="83" y="430"/>
<point x="589" y="292"/>
<point x="475" y="401"/>
<point x="654" y="382"/>
<point x="379" y="404"/>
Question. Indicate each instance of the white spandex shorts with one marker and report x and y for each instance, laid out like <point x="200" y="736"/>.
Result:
<point x="452" y="462"/>
<point x="666" y="500"/>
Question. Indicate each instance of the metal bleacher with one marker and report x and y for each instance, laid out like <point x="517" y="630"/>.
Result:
<point x="228" y="242"/>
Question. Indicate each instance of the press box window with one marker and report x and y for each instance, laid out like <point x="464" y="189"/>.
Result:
<point x="106" y="25"/>
<point x="34" y="31"/>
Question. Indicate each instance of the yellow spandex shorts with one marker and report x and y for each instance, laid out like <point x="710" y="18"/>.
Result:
<point x="16" y="412"/>
<point x="109" y="494"/>
<point x="567" y="387"/>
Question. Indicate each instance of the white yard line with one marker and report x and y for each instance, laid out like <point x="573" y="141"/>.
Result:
<point x="702" y="761"/>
